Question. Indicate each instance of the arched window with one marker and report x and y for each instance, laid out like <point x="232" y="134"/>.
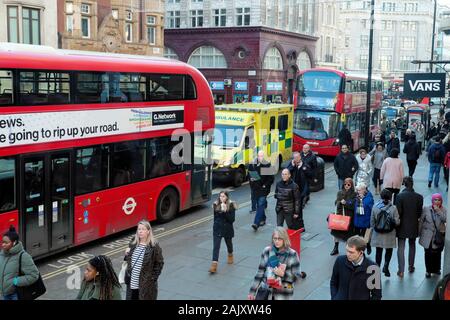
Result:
<point x="207" y="57"/>
<point x="303" y="61"/>
<point x="170" y="54"/>
<point x="273" y="60"/>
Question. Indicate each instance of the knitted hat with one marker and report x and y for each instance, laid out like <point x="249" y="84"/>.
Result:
<point x="12" y="234"/>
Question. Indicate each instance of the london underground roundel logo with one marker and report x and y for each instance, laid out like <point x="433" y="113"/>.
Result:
<point x="129" y="206"/>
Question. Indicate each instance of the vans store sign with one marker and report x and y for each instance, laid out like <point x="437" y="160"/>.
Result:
<point x="421" y="85"/>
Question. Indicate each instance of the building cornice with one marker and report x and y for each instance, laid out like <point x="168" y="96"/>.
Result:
<point x="239" y="30"/>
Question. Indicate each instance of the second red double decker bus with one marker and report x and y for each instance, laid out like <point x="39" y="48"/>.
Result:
<point x="325" y="100"/>
<point x="86" y="143"/>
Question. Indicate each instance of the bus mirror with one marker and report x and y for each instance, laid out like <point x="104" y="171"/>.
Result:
<point x="247" y="142"/>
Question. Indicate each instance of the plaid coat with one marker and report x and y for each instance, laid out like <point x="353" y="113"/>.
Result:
<point x="292" y="270"/>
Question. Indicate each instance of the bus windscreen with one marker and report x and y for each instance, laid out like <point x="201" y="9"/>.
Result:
<point x="318" y="89"/>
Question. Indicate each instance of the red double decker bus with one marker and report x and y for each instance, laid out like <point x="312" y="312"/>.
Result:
<point x="87" y="143"/>
<point x="325" y="100"/>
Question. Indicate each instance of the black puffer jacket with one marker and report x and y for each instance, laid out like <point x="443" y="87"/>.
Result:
<point x="299" y="176"/>
<point x="288" y="198"/>
<point x="345" y="165"/>
<point x="412" y="149"/>
<point x="310" y="161"/>
<point x="223" y="221"/>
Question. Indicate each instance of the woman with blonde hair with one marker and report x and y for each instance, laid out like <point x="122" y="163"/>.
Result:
<point x="277" y="271"/>
<point x="224" y="215"/>
<point x="145" y="262"/>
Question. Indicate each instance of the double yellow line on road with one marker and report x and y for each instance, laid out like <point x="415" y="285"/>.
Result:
<point x="122" y="248"/>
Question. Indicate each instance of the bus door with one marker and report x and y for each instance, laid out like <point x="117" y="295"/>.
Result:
<point x="201" y="169"/>
<point x="46" y="202"/>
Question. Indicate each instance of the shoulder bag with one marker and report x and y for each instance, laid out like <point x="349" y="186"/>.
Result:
<point x="439" y="237"/>
<point x="32" y="291"/>
<point x="339" y="222"/>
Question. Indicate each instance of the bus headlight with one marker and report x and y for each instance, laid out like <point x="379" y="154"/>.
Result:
<point x="336" y="142"/>
<point x="227" y="163"/>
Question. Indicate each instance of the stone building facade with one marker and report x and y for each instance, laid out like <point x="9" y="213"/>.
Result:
<point x="132" y="27"/>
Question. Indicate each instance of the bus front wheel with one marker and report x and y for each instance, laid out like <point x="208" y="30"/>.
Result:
<point x="167" y="206"/>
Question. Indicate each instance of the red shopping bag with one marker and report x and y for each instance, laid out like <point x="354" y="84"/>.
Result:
<point x="339" y="222"/>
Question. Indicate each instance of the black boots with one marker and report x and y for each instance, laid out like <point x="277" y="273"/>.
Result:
<point x="369" y="249"/>
<point x="386" y="271"/>
<point x="335" y="250"/>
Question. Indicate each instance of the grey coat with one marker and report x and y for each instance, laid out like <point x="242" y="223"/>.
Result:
<point x="384" y="240"/>
<point x="427" y="228"/>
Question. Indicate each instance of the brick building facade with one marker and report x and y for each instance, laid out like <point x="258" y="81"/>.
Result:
<point x="258" y="63"/>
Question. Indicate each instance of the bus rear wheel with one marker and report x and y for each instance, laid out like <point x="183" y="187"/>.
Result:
<point x="167" y="206"/>
<point x="239" y="177"/>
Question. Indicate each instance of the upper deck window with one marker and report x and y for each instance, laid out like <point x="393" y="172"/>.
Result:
<point x="44" y="87"/>
<point x="6" y="88"/>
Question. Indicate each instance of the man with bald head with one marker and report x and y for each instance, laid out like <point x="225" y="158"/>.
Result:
<point x="310" y="161"/>
<point x="261" y="179"/>
<point x="288" y="205"/>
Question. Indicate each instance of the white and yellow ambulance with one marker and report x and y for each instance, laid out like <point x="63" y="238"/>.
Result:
<point x="242" y="130"/>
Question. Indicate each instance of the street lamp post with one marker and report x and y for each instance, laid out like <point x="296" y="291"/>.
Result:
<point x="369" y="75"/>
<point x="432" y="38"/>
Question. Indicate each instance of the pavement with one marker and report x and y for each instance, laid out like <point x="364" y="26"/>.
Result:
<point x="187" y="250"/>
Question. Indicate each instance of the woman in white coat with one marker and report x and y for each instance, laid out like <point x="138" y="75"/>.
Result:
<point x="365" y="168"/>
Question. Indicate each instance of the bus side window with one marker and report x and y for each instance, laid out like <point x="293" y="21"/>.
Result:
<point x="7" y="184"/>
<point x="6" y="88"/>
<point x="190" y="90"/>
<point x="250" y="138"/>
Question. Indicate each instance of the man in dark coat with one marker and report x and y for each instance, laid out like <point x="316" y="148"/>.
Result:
<point x="412" y="150"/>
<point x="345" y="137"/>
<point x="310" y="160"/>
<point x="298" y="170"/>
<point x="345" y="165"/>
<point x="409" y="205"/>
<point x="355" y="277"/>
<point x="261" y="179"/>
<point x="392" y="143"/>
<point x="432" y="131"/>
<point x="288" y="205"/>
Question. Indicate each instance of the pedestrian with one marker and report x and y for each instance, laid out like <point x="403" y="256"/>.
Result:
<point x="432" y="131"/>
<point x="363" y="211"/>
<point x="436" y="157"/>
<point x="444" y="130"/>
<point x="10" y="255"/>
<point x="310" y="160"/>
<point x="409" y="205"/>
<point x="288" y="206"/>
<point x="383" y="221"/>
<point x="392" y="173"/>
<point x="350" y="277"/>
<point x="420" y="136"/>
<point x="446" y="168"/>
<point x="392" y="143"/>
<point x="278" y="268"/>
<point x="432" y="237"/>
<point x="412" y="150"/>
<point x="345" y="165"/>
<point x="345" y="137"/>
<point x="365" y="167"/>
<point x="375" y="141"/>
<point x="408" y="134"/>
<point x="261" y="179"/>
<point x="224" y="216"/>
<point x="298" y="170"/>
<point x="378" y="155"/>
<point x="145" y="263"/>
<point x="442" y="291"/>
<point x="100" y="281"/>
<point x="345" y="204"/>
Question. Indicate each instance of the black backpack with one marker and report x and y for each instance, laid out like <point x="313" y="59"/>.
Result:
<point x="384" y="222"/>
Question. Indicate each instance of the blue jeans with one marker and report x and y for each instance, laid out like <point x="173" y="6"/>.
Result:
<point x="12" y="296"/>
<point x="261" y="204"/>
<point x="435" y="169"/>
<point x="253" y="199"/>
<point x="340" y="183"/>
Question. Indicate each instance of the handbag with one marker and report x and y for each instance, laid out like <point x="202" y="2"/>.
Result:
<point x="339" y="222"/>
<point x="122" y="272"/>
<point x="263" y="292"/>
<point x="32" y="291"/>
<point x="439" y="237"/>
